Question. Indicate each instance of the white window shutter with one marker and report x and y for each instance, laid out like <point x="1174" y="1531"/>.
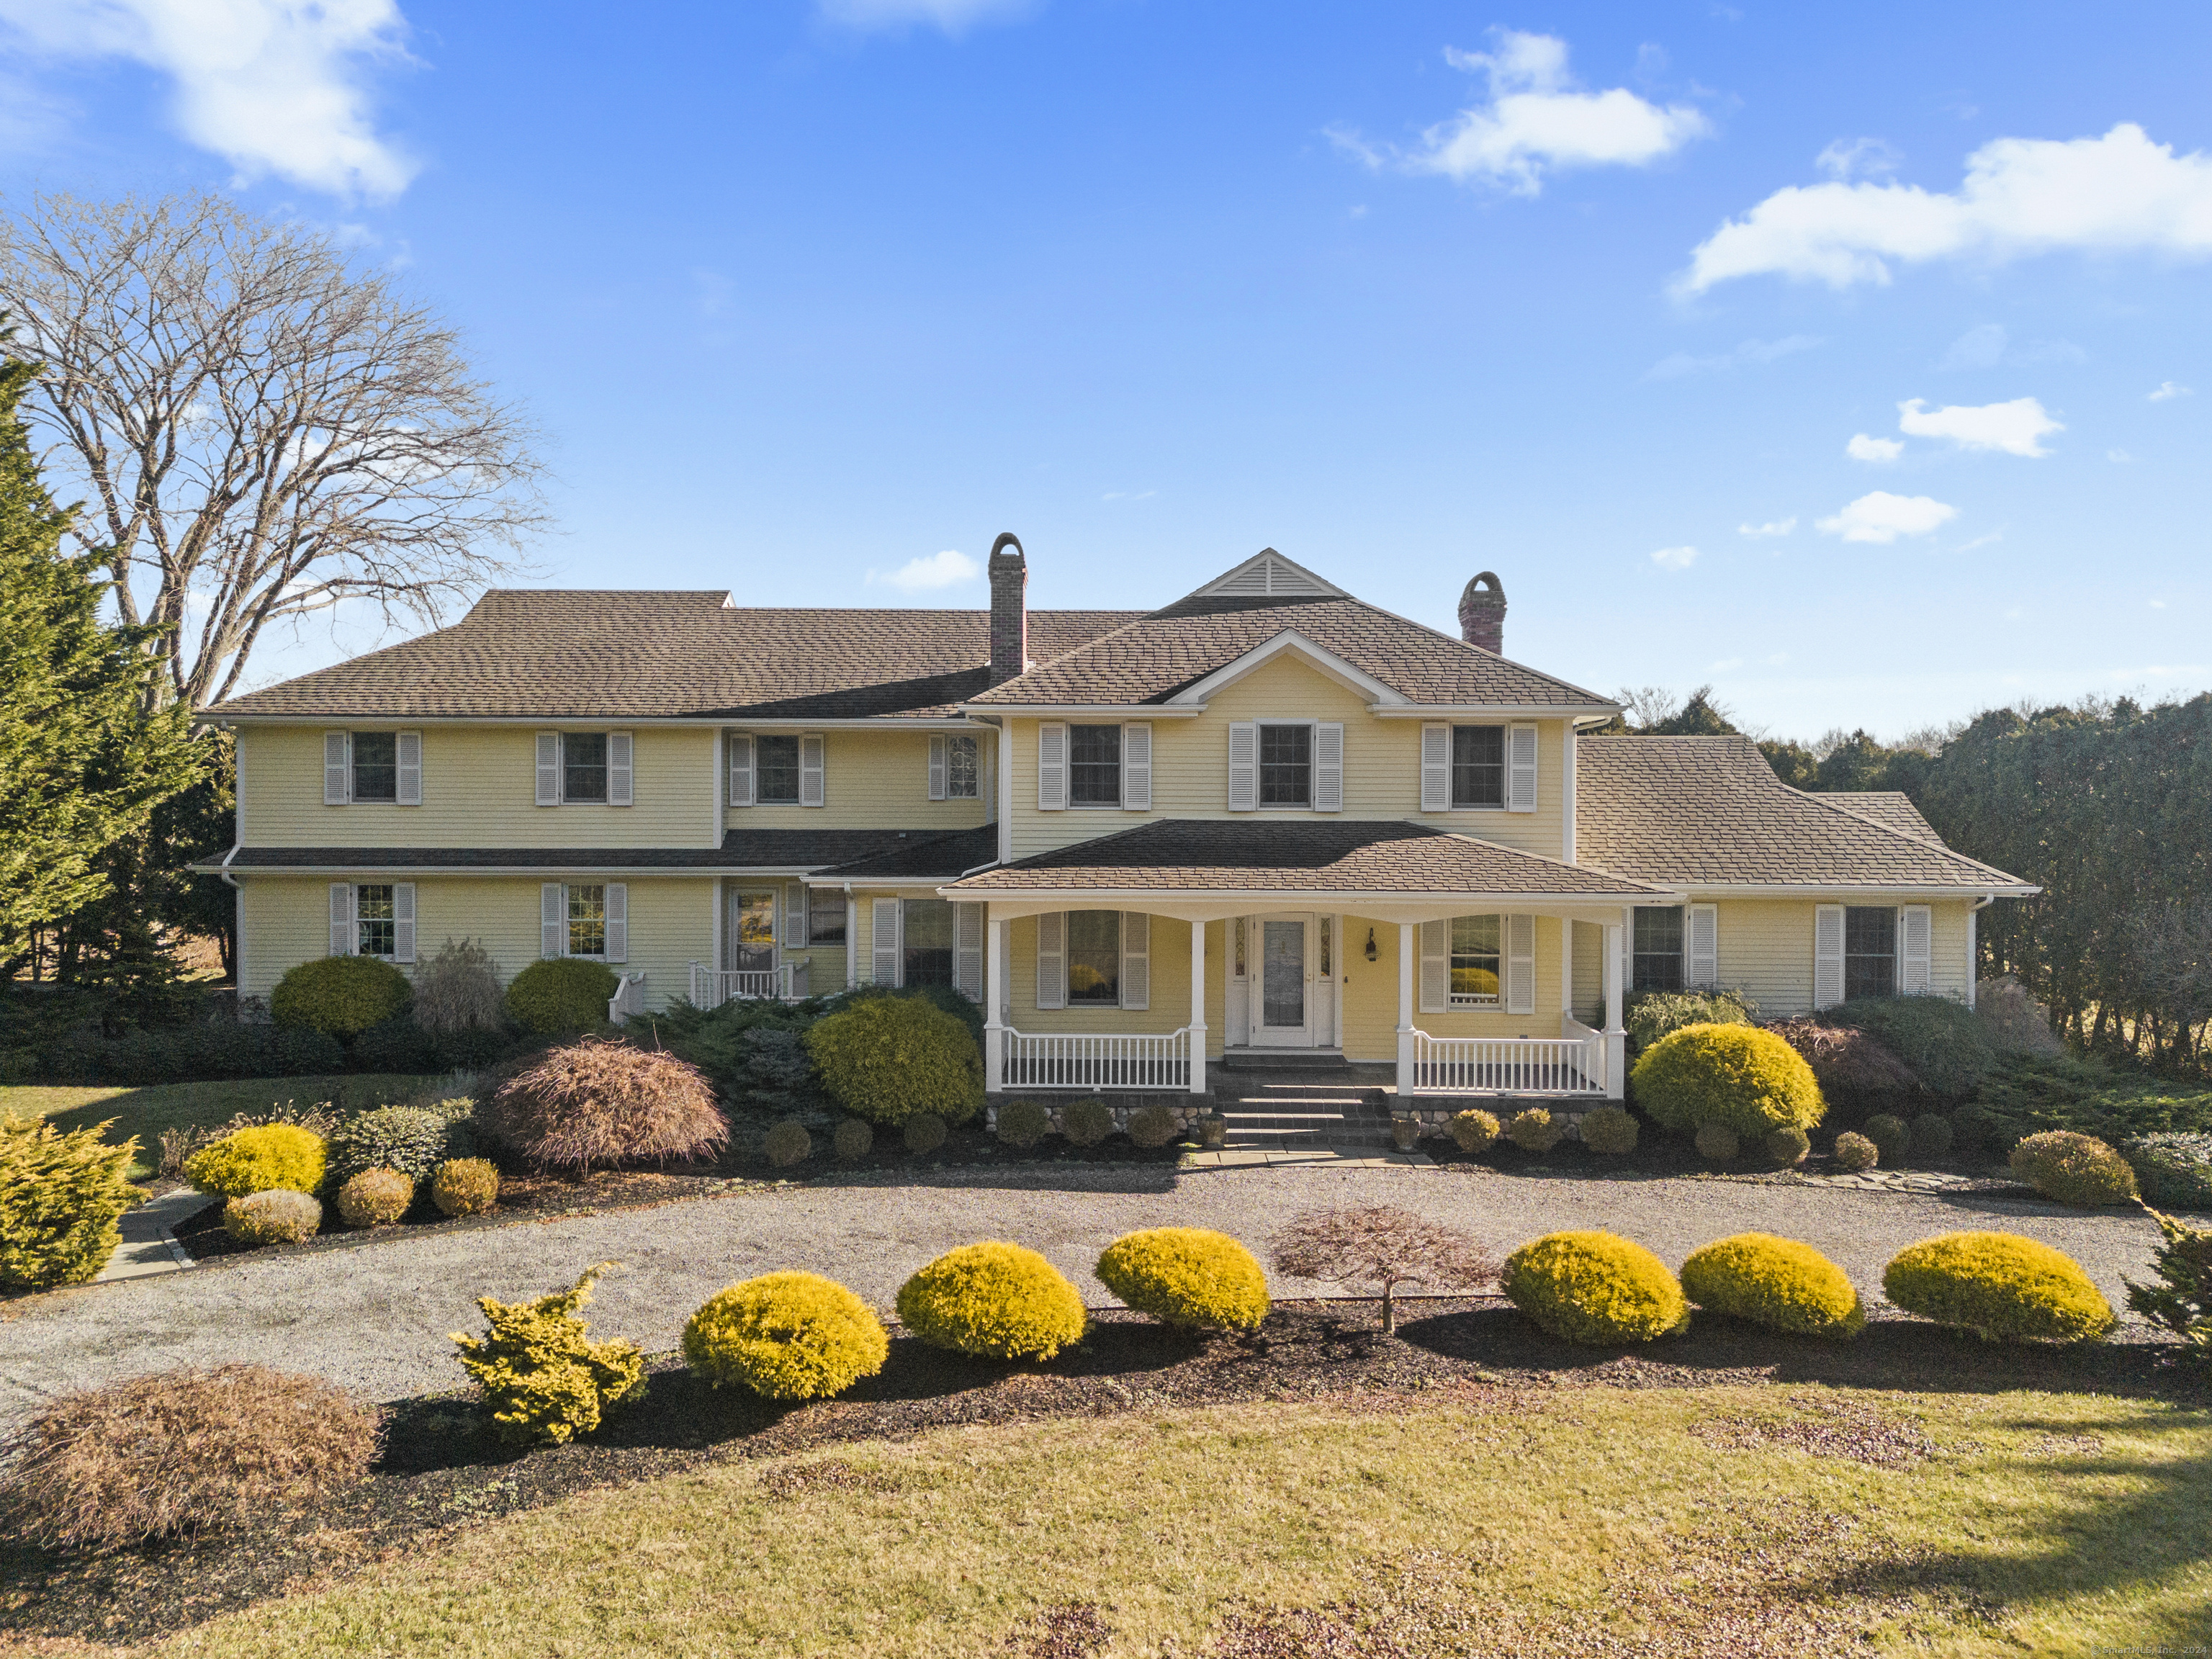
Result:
<point x="885" y="954"/>
<point x="811" y="790"/>
<point x="337" y="771"/>
<point x="968" y="950"/>
<point x="1520" y="768"/>
<point x="1701" y="946"/>
<point x="1436" y="769"/>
<point x="936" y="766"/>
<point x="1328" y="767"/>
<point x="741" y="769"/>
<point x="617" y="922"/>
<point x="553" y="919"/>
<point x="1827" y="954"/>
<point x="409" y="748"/>
<point x="1137" y="768"/>
<point x="343" y="935"/>
<point x="1916" y="936"/>
<point x="619" y="769"/>
<point x="1052" y="960"/>
<point x="1519" y="964"/>
<point x="794" y="916"/>
<point x="1052" y="766"/>
<point x="1436" y="967"/>
<point x="1136" y="959"/>
<point x="1243" y="765"/>
<point x="403" y="921"/>
<point x="548" y="769"/>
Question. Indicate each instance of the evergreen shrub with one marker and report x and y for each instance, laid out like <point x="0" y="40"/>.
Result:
<point x="466" y="1185"/>
<point x="395" y="1045"/>
<point x="375" y="1198"/>
<point x="1650" y="1016"/>
<point x="339" y="996"/>
<point x="1153" y="1126"/>
<point x="1855" y="1153"/>
<point x="1023" y="1122"/>
<point x="543" y="1376"/>
<point x="1718" y="1143"/>
<point x="1533" y="1131"/>
<point x="788" y="1143"/>
<point x="785" y="1336"/>
<point x="1610" y="1131"/>
<point x="888" y="1058"/>
<point x="1786" y="1147"/>
<point x="409" y="1138"/>
<point x="2181" y="1300"/>
<point x="1186" y="1276"/>
<point x="211" y="1053"/>
<point x="924" y="1134"/>
<point x="1474" y="1129"/>
<point x="1931" y="1135"/>
<point x="1775" y="1282"/>
<point x="992" y="1298"/>
<point x="2001" y="1286"/>
<point x="1946" y="1047"/>
<point x="1594" y="1287"/>
<point x="61" y="1195"/>
<point x="853" y="1140"/>
<point x="2077" y="1170"/>
<point x="563" y="996"/>
<point x="2173" y="1169"/>
<point x="257" y="1159"/>
<point x="1086" y="1122"/>
<point x="1892" y="1136"/>
<point x="279" y="1216"/>
<point x="1737" y="1076"/>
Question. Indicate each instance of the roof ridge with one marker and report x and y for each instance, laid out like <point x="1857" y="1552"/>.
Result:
<point x="1494" y="656"/>
<point x="1938" y="845"/>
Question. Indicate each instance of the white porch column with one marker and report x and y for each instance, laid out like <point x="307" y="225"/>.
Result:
<point x="852" y="940"/>
<point x="1616" y="1038"/>
<point x="1567" y="958"/>
<point x="1407" y="930"/>
<point x="1973" y="957"/>
<point x="994" y="1001"/>
<point x="1198" y="1007"/>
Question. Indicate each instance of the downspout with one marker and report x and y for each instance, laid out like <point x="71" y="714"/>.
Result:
<point x="1974" y="945"/>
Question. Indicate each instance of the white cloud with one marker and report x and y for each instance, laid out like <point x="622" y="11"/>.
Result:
<point x="1772" y="527"/>
<point x="1128" y="495"/>
<point x="1990" y="345"/>
<point x="1863" y="448"/>
<point x="271" y="85"/>
<point x="2118" y="193"/>
<point x="2119" y="457"/>
<point x="951" y="16"/>
<point x="2169" y="390"/>
<point x="1980" y="541"/>
<point x="1675" y="558"/>
<point x="1724" y="664"/>
<point x="1535" y="121"/>
<point x="1882" y="517"/>
<point x="2015" y="428"/>
<point x="2158" y="605"/>
<point x="1868" y="158"/>
<point x="943" y="569"/>
<point x="1745" y="352"/>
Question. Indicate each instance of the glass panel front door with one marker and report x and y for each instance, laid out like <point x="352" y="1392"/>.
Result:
<point x="1284" y="990"/>
<point x="750" y="937"/>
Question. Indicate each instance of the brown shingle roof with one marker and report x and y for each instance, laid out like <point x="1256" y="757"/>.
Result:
<point x="1356" y="856"/>
<point x="1151" y="657"/>
<point x="1892" y="809"/>
<point x="576" y="653"/>
<point x="1709" y="811"/>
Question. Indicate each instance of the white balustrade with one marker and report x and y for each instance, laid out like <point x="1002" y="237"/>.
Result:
<point x="1096" y="1061"/>
<point x="713" y="987"/>
<point x="1507" y="1066"/>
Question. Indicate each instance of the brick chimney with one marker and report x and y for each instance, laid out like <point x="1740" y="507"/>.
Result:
<point x="1482" y="614"/>
<point x="1010" y="615"/>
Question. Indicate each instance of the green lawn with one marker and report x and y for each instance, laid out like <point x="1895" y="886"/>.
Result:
<point x="146" y="1112"/>
<point x="1480" y="1521"/>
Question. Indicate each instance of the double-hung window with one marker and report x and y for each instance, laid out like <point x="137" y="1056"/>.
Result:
<point x="925" y="940"/>
<point x="1094" y="956"/>
<point x="1869" y="951"/>
<point x="779" y="770"/>
<point x="376" y="768"/>
<point x="1477" y="766"/>
<point x="372" y="919"/>
<point x="1477" y="961"/>
<point x="825" y="916"/>
<point x="588" y="920"/>
<point x="1094" y="765"/>
<point x="374" y="916"/>
<point x="574" y="768"/>
<point x="1286" y="765"/>
<point x="373" y="766"/>
<point x="1655" y="959"/>
<point x="584" y="767"/>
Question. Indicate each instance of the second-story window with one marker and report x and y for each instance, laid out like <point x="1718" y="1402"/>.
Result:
<point x="1286" y="765"/>
<point x="779" y="771"/>
<point x="583" y="767"/>
<point x="1477" y="766"/>
<point x="960" y="770"/>
<point x="376" y="768"/>
<point x="1094" y="765"/>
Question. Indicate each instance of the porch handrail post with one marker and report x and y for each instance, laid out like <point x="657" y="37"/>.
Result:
<point x="994" y="999"/>
<point x="1198" y="1007"/>
<point x="1616" y="1038"/>
<point x="1406" y="930"/>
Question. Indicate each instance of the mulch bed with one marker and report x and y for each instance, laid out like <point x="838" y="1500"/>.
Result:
<point x="1659" y="1156"/>
<point x="441" y="1466"/>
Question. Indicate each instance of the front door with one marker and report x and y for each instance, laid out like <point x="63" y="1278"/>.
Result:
<point x="749" y="938"/>
<point x="1284" y="989"/>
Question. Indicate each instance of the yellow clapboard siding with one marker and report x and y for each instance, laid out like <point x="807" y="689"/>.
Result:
<point x="880" y="781"/>
<point x="1766" y="949"/>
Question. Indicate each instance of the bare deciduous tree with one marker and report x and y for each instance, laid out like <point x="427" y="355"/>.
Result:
<point x="260" y="429"/>
<point x="1382" y="1246"/>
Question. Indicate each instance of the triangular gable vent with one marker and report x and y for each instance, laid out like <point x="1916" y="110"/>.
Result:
<point x="1268" y="573"/>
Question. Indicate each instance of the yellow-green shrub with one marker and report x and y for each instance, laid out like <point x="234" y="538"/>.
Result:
<point x="1775" y="1282"/>
<point x="854" y="1140"/>
<point x="1023" y="1122"/>
<point x="785" y="1336"/>
<point x="279" y="1215"/>
<point x="375" y="1197"/>
<point x="1718" y="1143"/>
<point x="60" y="1196"/>
<point x="1999" y="1285"/>
<point x="1153" y="1126"/>
<point x="1186" y="1276"/>
<point x="2073" y="1169"/>
<point x="559" y="996"/>
<point x="466" y="1185"/>
<point x="1610" y="1132"/>
<point x="1738" y="1076"/>
<point x="1533" y="1130"/>
<point x="924" y="1134"/>
<point x="1787" y="1146"/>
<point x="888" y="1058"/>
<point x="1892" y="1136"/>
<point x="1086" y="1122"/>
<point x="1474" y="1129"/>
<point x="544" y="1377"/>
<point x="1855" y="1152"/>
<point x="992" y="1298"/>
<point x="260" y="1160"/>
<point x="340" y="996"/>
<point x="1594" y="1287"/>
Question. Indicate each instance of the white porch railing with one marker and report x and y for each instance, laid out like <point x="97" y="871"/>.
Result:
<point x="1509" y="1066"/>
<point x="628" y="999"/>
<point x="713" y="987"/>
<point x="1038" y="1060"/>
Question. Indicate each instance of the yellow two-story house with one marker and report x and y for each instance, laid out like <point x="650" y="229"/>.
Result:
<point x="1267" y="817"/>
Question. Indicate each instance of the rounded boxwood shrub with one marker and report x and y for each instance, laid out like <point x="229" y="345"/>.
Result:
<point x="466" y="1185"/>
<point x="258" y="1159"/>
<point x="853" y="1140"/>
<point x="924" y="1133"/>
<point x="62" y="1196"/>
<point x="409" y="1138"/>
<point x="1737" y="1076"/>
<point x="1594" y="1287"/>
<point x="1610" y="1131"/>
<point x="1533" y="1130"/>
<point x="1718" y="1143"/>
<point x="279" y="1216"/>
<point x="1187" y="1276"/>
<point x="1892" y="1136"/>
<point x="1474" y="1129"/>
<point x="340" y="996"/>
<point x="1931" y="1135"/>
<point x="2073" y="1169"/>
<point x="1856" y="1153"/>
<point x="992" y="1298"/>
<point x="559" y="996"/>
<point x="785" y="1336"/>
<point x="788" y="1143"/>
<point x="375" y="1198"/>
<point x="889" y="1058"/>
<point x="1086" y="1122"/>
<point x="1023" y="1122"/>
<point x="1153" y="1126"/>
<point x="1786" y="1147"/>
<point x="1775" y="1282"/>
<point x="2001" y="1286"/>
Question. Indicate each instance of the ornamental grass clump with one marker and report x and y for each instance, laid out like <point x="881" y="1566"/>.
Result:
<point x="1775" y="1282"/>
<point x="258" y="1159"/>
<point x="545" y="1379"/>
<point x="995" y="1299"/>
<point x="889" y="1058"/>
<point x="1610" y="1132"/>
<point x="788" y="1143"/>
<point x="785" y="1336"/>
<point x="178" y="1452"/>
<point x="1186" y="1276"/>
<point x="375" y="1198"/>
<point x="1594" y="1287"/>
<point x="1474" y="1129"/>
<point x="1086" y="1122"/>
<point x="2076" y="1170"/>
<point x="340" y="996"/>
<point x="1023" y="1122"/>
<point x="1855" y="1154"/>
<point x="277" y="1217"/>
<point x="1379" y="1247"/>
<point x="2001" y="1286"/>
<point x="62" y="1195"/>
<point x="466" y="1185"/>
<point x="1533" y="1131"/>
<point x="459" y="990"/>
<point x="1737" y="1076"/>
<point x="601" y="1102"/>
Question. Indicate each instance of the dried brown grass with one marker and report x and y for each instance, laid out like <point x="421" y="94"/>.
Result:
<point x="602" y="1102"/>
<point x="178" y="1452"/>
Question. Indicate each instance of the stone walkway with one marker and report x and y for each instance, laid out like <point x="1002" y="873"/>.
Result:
<point x="149" y="1243"/>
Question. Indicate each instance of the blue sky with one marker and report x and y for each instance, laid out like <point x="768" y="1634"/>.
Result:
<point x="804" y="292"/>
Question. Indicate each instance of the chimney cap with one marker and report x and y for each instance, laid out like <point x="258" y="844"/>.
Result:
<point x="1484" y="590"/>
<point x="1006" y="539"/>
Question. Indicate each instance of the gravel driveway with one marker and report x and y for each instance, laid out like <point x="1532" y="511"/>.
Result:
<point x="376" y="1316"/>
